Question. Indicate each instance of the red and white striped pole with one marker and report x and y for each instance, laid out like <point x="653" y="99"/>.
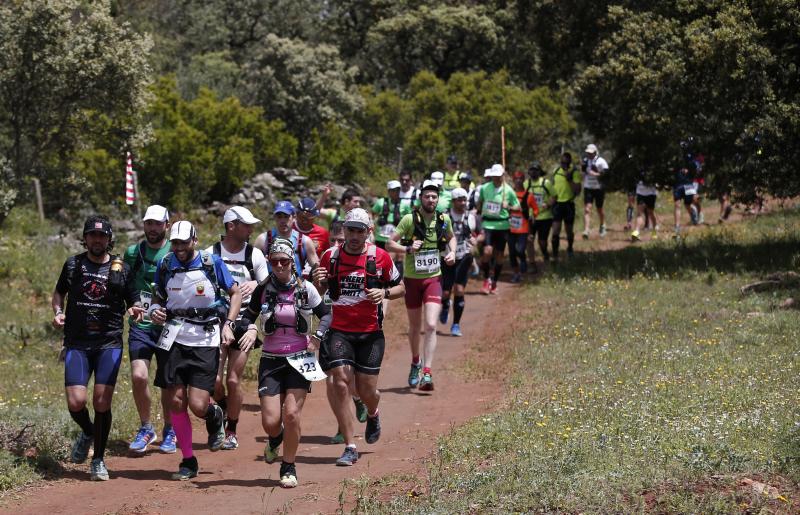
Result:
<point x="130" y="191"/>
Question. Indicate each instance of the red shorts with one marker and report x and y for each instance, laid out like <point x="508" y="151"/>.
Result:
<point x="422" y="291"/>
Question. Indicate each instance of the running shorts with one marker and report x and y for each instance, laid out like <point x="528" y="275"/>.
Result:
<point x="362" y="351"/>
<point x="564" y="212"/>
<point x="648" y="200"/>
<point x="679" y="193"/>
<point x="497" y="239"/>
<point x="142" y="342"/>
<point x="79" y="364"/>
<point x="422" y="291"/>
<point x="183" y="365"/>
<point x="541" y="228"/>
<point x="239" y="328"/>
<point x="596" y="196"/>
<point x="456" y="274"/>
<point x="275" y="376"/>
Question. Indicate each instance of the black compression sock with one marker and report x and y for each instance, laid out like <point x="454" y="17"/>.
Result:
<point x="458" y="309"/>
<point x="274" y="442"/>
<point x="102" y="427"/>
<point x="629" y="214"/>
<point x="445" y="305"/>
<point x="82" y="419"/>
<point x="556" y="242"/>
<point x="232" y="424"/>
<point x="223" y="403"/>
<point x="497" y="269"/>
<point x="485" y="267"/>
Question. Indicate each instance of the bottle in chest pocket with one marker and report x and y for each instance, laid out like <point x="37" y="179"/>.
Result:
<point x="372" y="279"/>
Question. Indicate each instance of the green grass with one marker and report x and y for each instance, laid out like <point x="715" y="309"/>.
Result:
<point x="646" y="382"/>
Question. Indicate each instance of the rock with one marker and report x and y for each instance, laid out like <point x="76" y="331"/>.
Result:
<point x="789" y="303"/>
<point x="296" y="179"/>
<point x="123" y="225"/>
<point x="239" y="198"/>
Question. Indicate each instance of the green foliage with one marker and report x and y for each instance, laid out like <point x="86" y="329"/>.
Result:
<point x="337" y="154"/>
<point x="206" y="148"/>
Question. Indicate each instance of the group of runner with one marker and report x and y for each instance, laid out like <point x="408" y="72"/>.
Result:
<point x="298" y="290"/>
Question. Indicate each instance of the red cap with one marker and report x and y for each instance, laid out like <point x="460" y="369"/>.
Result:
<point x="518" y="175"/>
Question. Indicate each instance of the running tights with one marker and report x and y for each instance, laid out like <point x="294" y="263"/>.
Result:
<point x="183" y="431"/>
<point x="458" y="309"/>
<point x="82" y="419"/>
<point x="102" y="426"/>
<point x="446" y="305"/>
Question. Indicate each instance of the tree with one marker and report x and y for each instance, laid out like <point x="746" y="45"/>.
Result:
<point x="59" y="63"/>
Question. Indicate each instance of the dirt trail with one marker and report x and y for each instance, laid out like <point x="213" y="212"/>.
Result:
<point x="241" y="482"/>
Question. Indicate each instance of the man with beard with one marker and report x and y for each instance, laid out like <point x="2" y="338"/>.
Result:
<point x="248" y="266"/>
<point x="143" y="335"/>
<point x="97" y="288"/>
<point x="422" y="235"/>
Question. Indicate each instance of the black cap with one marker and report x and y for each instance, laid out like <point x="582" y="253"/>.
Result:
<point x="99" y="224"/>
<point x="452" y="159"/>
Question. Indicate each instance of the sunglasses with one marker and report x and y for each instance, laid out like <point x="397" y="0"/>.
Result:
<point x="279" y="261"/>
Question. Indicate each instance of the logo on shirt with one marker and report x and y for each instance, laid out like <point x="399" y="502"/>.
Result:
<point x="94" y="290"/>
<point x="200" y="288"/>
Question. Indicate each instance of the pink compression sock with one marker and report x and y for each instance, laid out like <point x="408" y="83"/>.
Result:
<point x="183" y="430"/>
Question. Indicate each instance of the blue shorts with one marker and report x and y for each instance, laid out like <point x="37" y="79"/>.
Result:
<point x="79" y="364"/>
<point x="142" y="343"/>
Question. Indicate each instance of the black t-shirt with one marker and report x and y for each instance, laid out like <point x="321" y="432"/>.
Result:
<point x="94" y="314"/>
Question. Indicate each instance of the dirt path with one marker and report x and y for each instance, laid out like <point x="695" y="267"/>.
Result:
<point x="240" y="482"/>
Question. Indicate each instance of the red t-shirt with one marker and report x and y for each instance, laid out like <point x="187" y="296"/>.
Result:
<point x="319" y="235"/>
<point x="352" y="311"/>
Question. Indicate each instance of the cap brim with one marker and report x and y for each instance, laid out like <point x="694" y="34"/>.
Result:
<point x="356" y="225"/>
<point x="284" y="211"/>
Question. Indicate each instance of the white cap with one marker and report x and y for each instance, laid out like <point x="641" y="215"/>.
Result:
<point x="437" y="178"/>
<point x="391" y="185"/>
<point x="458" y="193"/>
<point x="591" y="149"/>
<point x="357" y="218"/>
<point x="239" y="213"/>
<point x="429" y="185"/>
<point x="183" y="231"/>
<point x="496" y="170"/>
<point x="157" y="213"/>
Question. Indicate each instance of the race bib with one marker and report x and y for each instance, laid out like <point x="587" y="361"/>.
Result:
<point x="169" y="333"/>
<point x="461" y="249"/>
<point x="147" y="299"/>
<point x="515" y="222"/>
<point x="492" y="208"/>
<point x="387" y="230"/>
<point x="689" y="190"/>
<point x="426" y="262"/>
<point x="539" y="197"/>
<point x="306" y="363"/>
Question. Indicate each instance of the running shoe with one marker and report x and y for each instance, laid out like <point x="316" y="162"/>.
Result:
<point x="216" y="433"/>
<point x="337" y="438"/>
<point x="515" y="278"/>
<point x="187" y="469"/>
<point x="602" y="231"/>
<point x="361" y="410"/>
<point x="701" y="218"/>
<point x="143" y="438"/>
<point x="99" y="472"/>
<point x="230" y="443"/>
<point x="494" y="286"/>
<point x="288" y="475"/>
<point x="487" y="286"/>
<point x="271" y="449"/>
<point x="348" y="458"/>
<point x="443" y="315"/>
<point x="654" y="235"/>
<point x="693" y="214"/>
<point x="585" y="235"/>
<point x="635" y="236"/>
<point x="455" y="330"/>
<point x="372" y="433"/>
<point x="413" y="374"/>
<point x="169" y="442"/>
<point x="426" y="384"/>
<point x="80" y="449"/>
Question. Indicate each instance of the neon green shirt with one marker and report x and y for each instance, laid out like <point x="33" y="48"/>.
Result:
<point x="426" y="262"/>
<point x="445" y="200"/>
<point x="384" y="232"/>
<point x="495" y="203"/>
<point x="145" y="275"/>
<point x="542" y="191"/>
<point x="561" y="184"/>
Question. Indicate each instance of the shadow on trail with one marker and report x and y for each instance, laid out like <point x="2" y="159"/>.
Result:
<point x="718" y="251"/>
<point x="144" y="475"/>
<point x="404" y="390"/>
<point x="269" y="483"/>
<point x="315" y="460"/>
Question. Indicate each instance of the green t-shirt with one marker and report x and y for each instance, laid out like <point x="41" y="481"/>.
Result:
<point x="145" y="275"/>
<point x="542" y="191"/>
<point x="445" y="201"/>
<point x="494" y="216"/>
<point x="423" y="263"/>
<point x="327" y="216"/>
<point x="561" y="184"/>
<point x="383" y="233"/>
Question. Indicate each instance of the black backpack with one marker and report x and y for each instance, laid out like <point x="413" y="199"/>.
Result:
<point x="421" y="230"/>
<point x="248" y="258"/>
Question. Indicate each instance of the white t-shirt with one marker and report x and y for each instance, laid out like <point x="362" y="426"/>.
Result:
<point x="193" y="290"/>
<point x="590" y="181"/>
<point x="645" y="190"/>
<point x="238" y="269"/>
<point x="411" y="193"/>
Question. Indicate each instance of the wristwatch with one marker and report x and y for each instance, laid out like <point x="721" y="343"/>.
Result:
<point x="319" y="335"/>
<point x="230" y="323"/>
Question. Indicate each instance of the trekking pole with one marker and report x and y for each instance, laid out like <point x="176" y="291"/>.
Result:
<point x="503" y="144"/>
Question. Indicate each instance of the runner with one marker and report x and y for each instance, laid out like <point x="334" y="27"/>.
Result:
<point x="465" y="183"/>
<point x="97" y="287"/>
<point x="188" y="302"/>
<point x="684" y="190"/>
<point x="631" y="194"/>
<point x="543" y="193"/>
<point x="424" y="234"/>
<point x="494" y="200"/>
<point x="594" y="169"/>
<point x="143" y="335"/>
<point x="350" y="199"/>
<point x="280" y="315"/>
<point x="566" y="186"/>
<point x="304" y="248"/>
<point x="519" y="226"/>
<point x="452" y="175"/>
<point x="454" y="278"/>
<point x="646" y="195"/>
<point x="407" y="189"/>
<point x="388" y="211"/>
<point x="305" y="223"/>
<point x="445" y="199"/>
<point x="357" y="276"/>
<point x="248" y="267"/>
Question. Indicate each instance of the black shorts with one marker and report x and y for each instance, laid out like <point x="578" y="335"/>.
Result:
<point x="239" y="328"/>
<point x="275" y="376"/>
<point x="187" y="366"/>
<point x="679" y="193"/>
<point x="362" y="351"/>
<point x="456" y="274"/>
<point x="648" y="200"/>
<point x="496" y="239"/>
<point x="541" y="228"/>
<point x="564" y="212"/>
<point x="596" y="196"/>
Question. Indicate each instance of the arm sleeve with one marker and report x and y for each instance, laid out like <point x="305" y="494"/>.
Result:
<point x="260" y="265"/>
<point x="253" y="309"/>
<point x="320" y="309"/>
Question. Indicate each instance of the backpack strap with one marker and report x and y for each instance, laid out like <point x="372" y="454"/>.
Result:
<point x="207" y="261"/>
<point x="247" y="262"/>
<point x="74" y="267"/>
